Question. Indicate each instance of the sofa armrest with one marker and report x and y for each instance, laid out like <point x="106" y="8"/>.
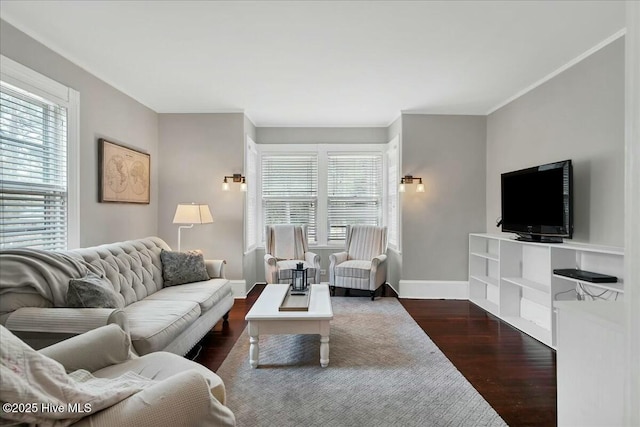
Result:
<point x="65" y="320"/>
<point x="270" y="260"/>
<point x="378" y="273"/>
<point x="312" y="258"/>
<point x="215" y="268"/>
<point x="92" y="350"/>
<point x="377" y="260"/>
<point x="270" y="268"/>
<point x="183" y="399"/>
<point x="337" y="258"/>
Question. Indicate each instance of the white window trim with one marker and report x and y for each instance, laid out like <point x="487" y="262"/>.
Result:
<point x="394" y="144"/>
<point x="252" y="191"/>
<point x="322" y="150"/>
<point x="31" y="81"/>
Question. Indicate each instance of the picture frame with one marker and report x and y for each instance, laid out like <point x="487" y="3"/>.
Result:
<point x="125" y="174"/>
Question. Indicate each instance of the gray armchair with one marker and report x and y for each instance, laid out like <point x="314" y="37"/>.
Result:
<point x="285" y="246"/>
<point x="363" y="265"/>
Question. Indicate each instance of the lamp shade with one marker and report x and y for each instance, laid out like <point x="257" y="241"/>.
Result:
<point x="192" y="213"/>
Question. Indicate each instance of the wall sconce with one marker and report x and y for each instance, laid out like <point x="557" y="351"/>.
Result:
<point x="236" y="177"/>
<point x="191" y="213"/>
<point x="408" y="179"/>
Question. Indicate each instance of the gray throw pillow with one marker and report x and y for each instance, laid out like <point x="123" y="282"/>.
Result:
<point x="179" y="268"/>
<point x="92" y="291"/>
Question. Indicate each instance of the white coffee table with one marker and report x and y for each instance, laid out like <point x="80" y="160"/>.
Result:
<point x="265" y="318"/>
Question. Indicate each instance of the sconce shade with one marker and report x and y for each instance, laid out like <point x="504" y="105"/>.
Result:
<point x="192" y="213"/>
<point x="236" y="177"/>
<point x="409" y="179"/>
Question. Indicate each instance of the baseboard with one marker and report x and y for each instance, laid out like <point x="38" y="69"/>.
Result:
<point x="433" y="289"/>
<point x="394" y="287"/>
<point x="536" y="313"/>
<point x="239" y="289"/>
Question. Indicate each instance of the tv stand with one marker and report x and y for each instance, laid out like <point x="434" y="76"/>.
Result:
<point x="515" y="280"/>
<point x="538" y="239"/>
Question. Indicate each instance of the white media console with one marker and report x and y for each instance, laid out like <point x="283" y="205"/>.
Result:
<point x="514" y="280"/>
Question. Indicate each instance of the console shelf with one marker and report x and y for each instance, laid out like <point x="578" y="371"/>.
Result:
<point x="615" y="287"/>
<point x="514" y="280"/>
<point x="526" y="283"/>
<point x="486" y="255"/>
<point x="487" y="280"/>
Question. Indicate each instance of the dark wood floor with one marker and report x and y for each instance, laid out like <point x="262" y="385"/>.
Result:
<point x="515" y="373"/>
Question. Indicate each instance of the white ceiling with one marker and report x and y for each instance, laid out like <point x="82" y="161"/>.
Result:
<point x="319" y="63"/>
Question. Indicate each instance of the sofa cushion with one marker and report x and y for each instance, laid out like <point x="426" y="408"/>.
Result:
<point x="206" y="294"/>
<point x="161" y="365"/>
<point x="179" y="268"/>
<point x="354" y="268"/>
<point x="153" y="324"/>
<point x="92" y="291"/>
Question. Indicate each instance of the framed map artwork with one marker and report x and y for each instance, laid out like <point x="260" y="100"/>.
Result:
<point x="124" y="174"/>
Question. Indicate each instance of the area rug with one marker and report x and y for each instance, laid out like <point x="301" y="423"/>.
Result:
<point x="383" y="371"/>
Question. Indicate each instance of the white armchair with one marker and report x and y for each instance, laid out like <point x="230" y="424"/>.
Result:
<point x="286" y="246"/>
<point x="183" y="393"/>
<point x="363" y="265"/>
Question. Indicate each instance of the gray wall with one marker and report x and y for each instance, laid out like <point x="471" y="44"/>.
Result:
<point x="104" y="113"/>
<point x="198" y="150"/>
<point x="577" y="115"/>
<point x="449" y="153"/>
<point x="328" y="135"/>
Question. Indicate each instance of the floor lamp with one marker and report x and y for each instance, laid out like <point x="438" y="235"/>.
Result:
<point x="191" y="213"/>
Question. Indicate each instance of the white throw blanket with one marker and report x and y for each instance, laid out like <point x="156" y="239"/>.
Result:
<point x="45" y="273"/>
<point x="36" y="389"/>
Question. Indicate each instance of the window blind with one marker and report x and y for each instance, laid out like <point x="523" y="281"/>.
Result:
<point x="354" y="186"/>
<point x="290" y="190"/>
<point x="33" y="176"/>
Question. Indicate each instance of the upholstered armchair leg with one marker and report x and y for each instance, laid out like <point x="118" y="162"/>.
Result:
<point x="333" y="291"/>
<point x="373" y="295"/>
<point x="225" y="317"/>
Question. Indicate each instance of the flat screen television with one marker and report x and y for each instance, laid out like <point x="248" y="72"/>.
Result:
<point x="537" y="202"/>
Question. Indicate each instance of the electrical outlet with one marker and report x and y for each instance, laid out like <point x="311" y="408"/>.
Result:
<point x="323" y="272"/>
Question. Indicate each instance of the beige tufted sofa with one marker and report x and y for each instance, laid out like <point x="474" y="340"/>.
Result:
<point x="170" y="319"/>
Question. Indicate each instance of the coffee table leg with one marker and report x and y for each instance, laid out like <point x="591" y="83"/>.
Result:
<point x="254" y="349"/>
<point x="324" y="345"/>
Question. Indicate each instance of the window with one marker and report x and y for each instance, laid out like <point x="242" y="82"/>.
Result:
<point x="38" y="198"/>
<point x="354" y="192"/>
<point x="290" y="190"/>
<point x="326" y="186"/>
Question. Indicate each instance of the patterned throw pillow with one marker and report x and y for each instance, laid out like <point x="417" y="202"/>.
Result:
<point x="93" y="291"/>
<point x="179" y="268"/>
